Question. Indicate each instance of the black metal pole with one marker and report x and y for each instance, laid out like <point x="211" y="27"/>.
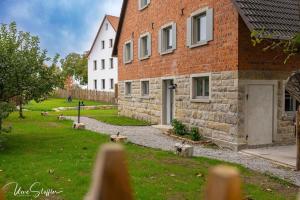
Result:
<point x="79" y="112"/>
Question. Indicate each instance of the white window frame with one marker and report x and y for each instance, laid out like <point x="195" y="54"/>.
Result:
<point x="103" y="85"/>
<point x="103" y="44"/>
<point x="144" y="6"/>
<point x="209" y="27"/>
<point x="289" y="114"/>
<point x="102" y="64"/>
<point x="112" y="83"/>
<point x="203" y="99"/>
<point x="149" y="44"/>
<point x="161" y="40"/>
<point x="95" y="65"/>
<point x="95" y="84"/>
<point x="131" y="52"/>
<point x="142" y="89"/>
<point x="125" y="88"/>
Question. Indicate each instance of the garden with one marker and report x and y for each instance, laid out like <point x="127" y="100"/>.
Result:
<point x="48" y="151"/>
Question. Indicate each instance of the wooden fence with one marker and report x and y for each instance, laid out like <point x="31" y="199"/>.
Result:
<point x="91" y="95"/>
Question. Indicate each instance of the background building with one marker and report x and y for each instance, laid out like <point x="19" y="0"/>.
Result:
<point x="102" y="68"/>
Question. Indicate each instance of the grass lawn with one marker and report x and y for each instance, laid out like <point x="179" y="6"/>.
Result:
<point x="49" y="151"/>
<point x="51" y="103"/>
<point x="107" y="116"/>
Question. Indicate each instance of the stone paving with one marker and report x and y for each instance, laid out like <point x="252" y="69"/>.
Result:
<point x="152" y="137"/>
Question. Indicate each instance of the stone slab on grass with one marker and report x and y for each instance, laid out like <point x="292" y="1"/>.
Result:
<point x="79" y="126"/>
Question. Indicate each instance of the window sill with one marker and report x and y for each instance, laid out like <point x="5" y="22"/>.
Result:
<point x="144" y="58"/>
<point x="146" y="97"/>
<point x="128" y="62"/>
<point x="199" y="44"/>
<point x="128" y="96"/>
<point x="200" y="100"/>
<point x="167" y="52"/>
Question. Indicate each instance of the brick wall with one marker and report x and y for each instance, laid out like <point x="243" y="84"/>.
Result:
<point x="219" y="55"/>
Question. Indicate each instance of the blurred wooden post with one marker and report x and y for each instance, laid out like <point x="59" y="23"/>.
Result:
<point x="298" y="139"/>
<point x="110" y="178"/>
<point x="224" y="183"/>
<point x="1" y="194"/>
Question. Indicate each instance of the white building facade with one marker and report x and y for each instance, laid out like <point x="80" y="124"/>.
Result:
<point x="102" y="67"/>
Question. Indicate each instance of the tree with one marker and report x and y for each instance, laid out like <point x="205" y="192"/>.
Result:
<point x="290" y="47"/>
<point x="24" y="75"/>
<point x="75" y="65"/>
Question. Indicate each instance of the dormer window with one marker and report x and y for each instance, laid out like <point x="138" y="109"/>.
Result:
<point x="143" y="4"/>
<point x="144" y="46"/>
<point x="167" y="38"/>
<point x="200" y="28"/>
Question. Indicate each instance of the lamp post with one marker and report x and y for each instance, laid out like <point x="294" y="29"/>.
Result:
<point x="79" y="106"/>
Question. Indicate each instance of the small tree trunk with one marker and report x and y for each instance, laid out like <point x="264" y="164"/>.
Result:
<point x="0" y="125"/>
<point x="21" y="109"/>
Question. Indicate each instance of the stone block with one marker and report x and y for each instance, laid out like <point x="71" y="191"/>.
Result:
<point x="118" y="138"/>
<point x="44" y="113"/>
<point x="184" y="150"/>
<point x="79" y="126"/>
<point x="61" y="117"/>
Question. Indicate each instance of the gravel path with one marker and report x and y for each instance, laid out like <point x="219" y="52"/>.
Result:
<point x="152" y="137"/>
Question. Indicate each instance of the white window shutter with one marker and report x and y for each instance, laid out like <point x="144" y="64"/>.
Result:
<point x="189" y="32"/>
<point x="124" y="53"/>
<point x="139" y="48"/>
<point x="149" y="45"/>
<point x="159" y="41"/>
<point x="174" y="36"/>
<point x="131" y="51"/>
<point x="209" y="24"/>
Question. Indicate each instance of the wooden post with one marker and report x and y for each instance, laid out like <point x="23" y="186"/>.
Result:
<point x="298" y="139"/>
<point x="224" y="183"/>
<point x="110" y="178"/>
<point x="1" y="194"/>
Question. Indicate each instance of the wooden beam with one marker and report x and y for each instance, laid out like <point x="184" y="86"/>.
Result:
<point x="224" y="183"/>
<point x="110" y="178"/>
<point x="298" y="139"/>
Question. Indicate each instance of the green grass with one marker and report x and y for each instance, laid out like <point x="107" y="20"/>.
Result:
<point x="39" y="145"/>
<point x="51" y="103"/>
<point x="107" y="116"/>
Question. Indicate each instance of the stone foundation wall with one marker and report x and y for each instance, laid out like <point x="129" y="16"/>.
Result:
<point x="217" y="119"/>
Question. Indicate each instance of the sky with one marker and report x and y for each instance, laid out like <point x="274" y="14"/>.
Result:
<point x="63" y="26"/>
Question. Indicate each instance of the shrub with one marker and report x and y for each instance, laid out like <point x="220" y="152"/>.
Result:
<point x="195" y="134"/>
<point x="179" y="128"/>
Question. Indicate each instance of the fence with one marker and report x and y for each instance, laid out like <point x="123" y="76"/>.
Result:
<point x="91" y="95"/>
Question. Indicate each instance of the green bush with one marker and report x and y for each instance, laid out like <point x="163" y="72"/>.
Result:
<point x="179" y="128"/>
<point x="195" y="134"/>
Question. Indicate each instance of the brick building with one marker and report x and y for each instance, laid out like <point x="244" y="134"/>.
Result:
<point x="194" y="61"/>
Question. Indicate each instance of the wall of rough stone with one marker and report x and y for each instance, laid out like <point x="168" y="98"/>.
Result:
<point x="217" y="120"/>
<point x="285" y="127"/>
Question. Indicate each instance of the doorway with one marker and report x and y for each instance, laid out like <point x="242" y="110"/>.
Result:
<point x="168" y="102"/>
<point x="260" y="118"/>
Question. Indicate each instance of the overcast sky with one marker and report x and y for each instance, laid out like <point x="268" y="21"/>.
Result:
<point x="63" y="26"/>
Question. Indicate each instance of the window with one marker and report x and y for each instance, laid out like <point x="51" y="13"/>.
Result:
<point x="200" y="28"/>
<point x="128" y="52"/>
<point x="111" y="63"/>
<point x="144" y="48"/>
<point x="200" y="87"/>
<point x="145" y="88"/>
<point x="95" y="65"/>
<point x="128" y="88"/>
<point x="143" y="4"/>
<point x="103" y="44"/>
<point x="95" y="84"/>
<point x="102" y="64"/>
<point x="106" y="26"/>
<point x="110" y="43"/>
<point x="290" y="104"/>
<point x="167" y="38"/>
<point x="103" y="84"/>
<point x="112" y="83"/>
